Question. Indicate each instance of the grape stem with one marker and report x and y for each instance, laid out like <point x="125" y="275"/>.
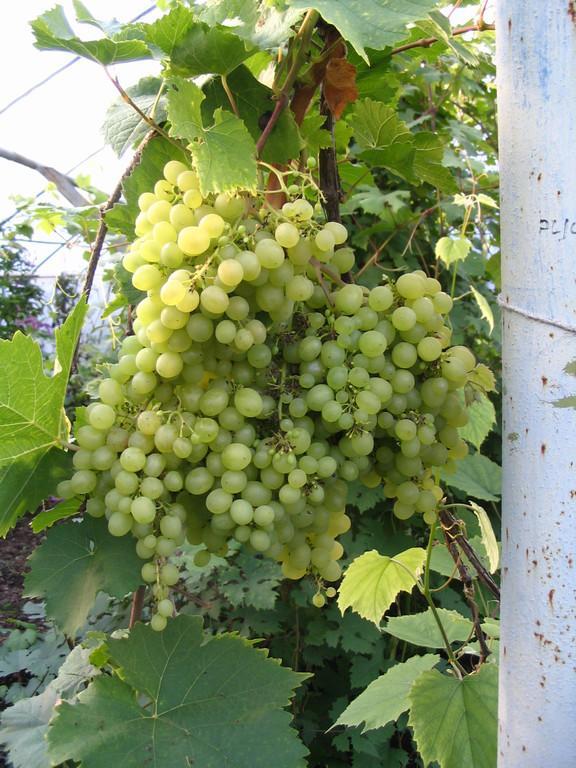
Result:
<point x="321" y="282"/>
<point x="325" y="269"/>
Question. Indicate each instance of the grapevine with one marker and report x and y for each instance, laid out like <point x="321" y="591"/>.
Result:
<point x="259" y="383"/>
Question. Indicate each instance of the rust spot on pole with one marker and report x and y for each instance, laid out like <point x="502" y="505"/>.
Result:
<point x="551" y="598"/>
<point x="572" y="11"/>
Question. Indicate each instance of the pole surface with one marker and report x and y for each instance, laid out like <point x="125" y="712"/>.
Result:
<point x="536" y="65"/>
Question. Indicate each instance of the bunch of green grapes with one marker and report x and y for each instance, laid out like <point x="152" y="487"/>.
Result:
<point x="258" y="384"/>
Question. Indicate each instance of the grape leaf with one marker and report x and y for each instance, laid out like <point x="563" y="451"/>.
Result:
<point x="123" y="127"/>
<point x="372" y="581"/>
<point x="31" y="403"/>
<point x="455" y="721"/>
<point x="364" y="498"/>
<point x="386" y="697"/>
<point x="74" y="563"/>
<point x="26" y="482"/>
<point x="422" y="629"/>
<point x="53" y="33"/>
<point x="258" y="22"/>
<point x="169" y="30"/>
<point x="254" y="102"/>
<point x="251" y="581"/>
<point x="428" y="156"/>
<point x="224" y="153"/>
<point x="60" y="511"/>
<point x="484" y="307"/>
<point x="482" y="417"/>
<point x="477" y="476"/>
<point x="386" y="141"/>
<point x="369" y="23"/>
<point x="452" y="249"/>
<point x="24" y="725"/>
<point x="185" y="699"/>
<point x="208" y="50"/>
<point x="488" y="536"/>
<point x="142" y="179"/>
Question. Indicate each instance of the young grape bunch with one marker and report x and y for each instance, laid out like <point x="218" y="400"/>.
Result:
<point x="259" y="384"/>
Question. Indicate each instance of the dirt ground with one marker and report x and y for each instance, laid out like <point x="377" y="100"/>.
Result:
<point x="14" y="551"/>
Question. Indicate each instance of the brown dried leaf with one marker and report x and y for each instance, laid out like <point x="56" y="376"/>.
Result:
<point x="339" y="85"/>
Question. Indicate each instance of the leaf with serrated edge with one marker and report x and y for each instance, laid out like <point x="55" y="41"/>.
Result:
<point x="422" y="629"/>
<point x="208" y="50"/>
<point x="386" y="697"/>
<point x="31" y="403"/>
<point x="184" y="699"/>
<point x="488" y="536"/>
<point x="224" y="153"/>
<point x="169" y="30"/>
<point x="449" y="250"/>
<point x="455" y="721"/>
<point x="481" y="419"/>
<point x="74" y="563"/>
<point x="369" y="23"/>
<point x="477" y="476"/>
<point x="372" y="581"/>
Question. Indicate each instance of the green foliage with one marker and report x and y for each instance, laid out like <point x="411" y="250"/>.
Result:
<point x="386" y="141"/>
<point x="387" y="697"/>
<point x="365" y="24"/>
<point x="24" y="726"/>
<point x="254" y="101"/>
<point x="123" y="127"/>
<point x="482" y="417"/>
<point x="450" y="250"/>
<point x="52" y="32"/>
<point x="73" y="564"/>
<point x="25" y="482"/>
<point x="439" y="701"/>
<point x="32" y="419"/>
<point x="206" y="701"/>
<point x="224" y="152"/>
<point x="60" y="511"/>
<point x="422" y="628"/>
<point x="477" y="476"/>
<point x="372" y="581"/>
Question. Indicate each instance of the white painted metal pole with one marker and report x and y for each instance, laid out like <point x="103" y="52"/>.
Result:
<point x="536" y="60"/>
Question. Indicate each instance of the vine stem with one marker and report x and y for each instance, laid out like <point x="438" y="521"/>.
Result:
<point x="426" y="42"/>
<point x="449" y="523"/>
<point x="137" y="605"/>
<point x="469" y="593"/>
<point x="302" y="39"/>
<point x="425" y="589"/>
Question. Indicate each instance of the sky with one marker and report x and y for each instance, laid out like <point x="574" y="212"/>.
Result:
<point x="58" y="124"/>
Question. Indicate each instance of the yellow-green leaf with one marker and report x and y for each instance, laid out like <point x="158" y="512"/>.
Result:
<point x="488" y="536"/>
<point x="372" y="581"/>
<point x="485" y="308"/>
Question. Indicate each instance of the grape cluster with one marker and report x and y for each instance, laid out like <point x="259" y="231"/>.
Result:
<point x="259" y="383"/>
